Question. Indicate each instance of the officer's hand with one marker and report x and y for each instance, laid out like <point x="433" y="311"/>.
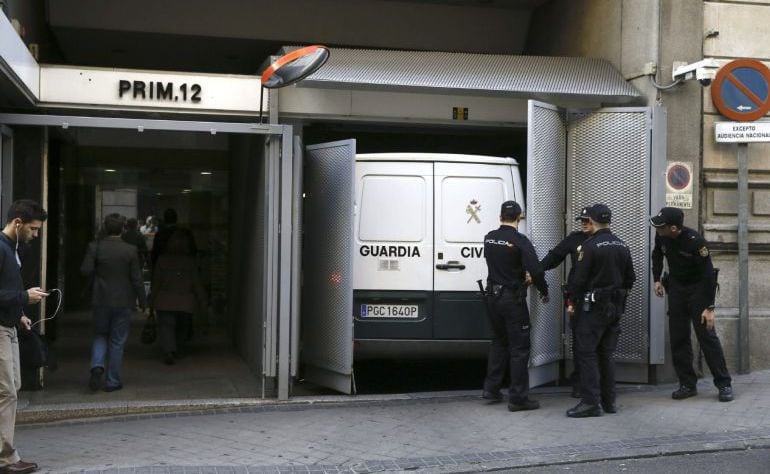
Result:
<point x="571" y="310"/>
<point x="544" y="299"/>
<point x="659" y="290"/>
<point x="527" y="278"/>
<point x="707" y="318"/>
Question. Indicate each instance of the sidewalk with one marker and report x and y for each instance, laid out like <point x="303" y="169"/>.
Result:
<point x="446" y="432"/>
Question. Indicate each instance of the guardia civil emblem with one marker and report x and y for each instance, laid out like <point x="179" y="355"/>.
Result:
<point x="474" y="208"/>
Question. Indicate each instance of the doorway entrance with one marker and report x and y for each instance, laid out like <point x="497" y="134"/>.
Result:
<point x="226" y="183"/>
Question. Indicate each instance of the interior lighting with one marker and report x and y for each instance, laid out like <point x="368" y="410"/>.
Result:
<point x="109" y="170"/>
<point x="205" y="173"/>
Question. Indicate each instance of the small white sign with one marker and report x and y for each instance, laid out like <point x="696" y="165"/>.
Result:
<point x="742" y="132"/>
<point x="131" y="89"/>
<point x="680" y="200"/>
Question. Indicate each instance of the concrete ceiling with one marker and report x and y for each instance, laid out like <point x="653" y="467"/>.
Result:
<point x="236" y="36"/>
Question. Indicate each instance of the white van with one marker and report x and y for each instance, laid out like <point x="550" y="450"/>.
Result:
<point x="419" y="225"/>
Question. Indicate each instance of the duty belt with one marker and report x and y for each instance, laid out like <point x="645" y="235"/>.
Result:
<point x="496" y="290"/>
<point x="604" y="296"/>
<point x="600" y="295"/>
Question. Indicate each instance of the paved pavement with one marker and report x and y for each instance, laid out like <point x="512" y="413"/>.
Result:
<point x="447" y="432"/>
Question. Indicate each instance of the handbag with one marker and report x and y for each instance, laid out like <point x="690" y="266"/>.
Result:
<point x="33" y="349"/>
<point x="150" y="329"/>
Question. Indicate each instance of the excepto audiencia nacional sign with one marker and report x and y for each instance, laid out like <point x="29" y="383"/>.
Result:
<point x="742" y="132"/>
<point x="131" y="89"/>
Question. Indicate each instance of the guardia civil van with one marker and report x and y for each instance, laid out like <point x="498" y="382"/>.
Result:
<point x="419" y="225"/>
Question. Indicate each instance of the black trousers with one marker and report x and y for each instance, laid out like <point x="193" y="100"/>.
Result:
<point x="685" y="306"/>
<point x="510" y="348"/>
<point x="596" y="337"/>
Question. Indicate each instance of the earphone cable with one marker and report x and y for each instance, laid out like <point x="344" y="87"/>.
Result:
<point x="58" y="307"/>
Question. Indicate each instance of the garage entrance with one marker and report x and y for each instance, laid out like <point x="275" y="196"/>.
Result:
<point x="441" y="102"/>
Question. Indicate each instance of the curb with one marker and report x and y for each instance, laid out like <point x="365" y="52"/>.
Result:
<point x="80" y="413"/>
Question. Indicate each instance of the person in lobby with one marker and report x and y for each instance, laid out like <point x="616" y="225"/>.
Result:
<point x="117" y="286"/>
<point x="176" y="295"/>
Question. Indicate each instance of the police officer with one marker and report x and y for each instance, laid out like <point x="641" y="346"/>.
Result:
<point x="691" y="287"/>
<point x="571" y="245"/>
<point x="509" y="255"/>
<point x="603" y="275"/>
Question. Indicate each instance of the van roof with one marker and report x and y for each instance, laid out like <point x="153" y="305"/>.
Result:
<point x="433" y="157"/>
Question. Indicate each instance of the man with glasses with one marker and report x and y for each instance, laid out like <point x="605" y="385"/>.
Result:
<point x="571" y="245"/>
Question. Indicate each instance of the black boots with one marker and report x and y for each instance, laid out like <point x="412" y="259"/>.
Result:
<point x="584" y="410"/>
<point x="525" y="405"/>
<point x="684" y="392"/>
<point x="95" y="382"/>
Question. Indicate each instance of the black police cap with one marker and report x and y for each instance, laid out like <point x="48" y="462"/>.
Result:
<point x="668" y="216"/>
<point x="600" y="213"/>
<point x="510" y="210"/>
<point x="584" y="213"/>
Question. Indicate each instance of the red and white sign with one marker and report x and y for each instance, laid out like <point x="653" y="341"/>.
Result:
<point x="679" y="184"/>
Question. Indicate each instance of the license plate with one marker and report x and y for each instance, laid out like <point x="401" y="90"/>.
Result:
<point x="389" y="311"/>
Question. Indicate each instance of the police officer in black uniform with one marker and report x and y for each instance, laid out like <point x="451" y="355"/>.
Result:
<point x="691" y="287"/>
<point x="603" y="275"/>
<point x="571" y="245"/>
<point x="509" y="255"/>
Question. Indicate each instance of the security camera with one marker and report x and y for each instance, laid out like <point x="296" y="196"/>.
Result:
<point x="703" y="71"/>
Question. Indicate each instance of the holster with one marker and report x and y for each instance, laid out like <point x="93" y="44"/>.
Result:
<point x="496" y="291"/>
<point x="611" y="302"/>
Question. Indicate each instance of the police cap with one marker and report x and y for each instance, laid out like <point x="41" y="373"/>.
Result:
<point x="600" y="213"/>
<point x="584" y="214"/>
<point x="668" y="216"/>
<point x="510" y="210"/>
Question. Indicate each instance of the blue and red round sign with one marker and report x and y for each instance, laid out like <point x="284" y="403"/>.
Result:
<point x="678" y="177"/>
<point x="741" y="90"/>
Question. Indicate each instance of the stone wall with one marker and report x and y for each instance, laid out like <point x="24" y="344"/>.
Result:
<point x="630" y="33"/>
<point x="732" y="30"/>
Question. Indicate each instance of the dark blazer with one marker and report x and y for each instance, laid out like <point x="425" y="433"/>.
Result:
<point x="13" y="297"/>
<point x="117" y="274"/>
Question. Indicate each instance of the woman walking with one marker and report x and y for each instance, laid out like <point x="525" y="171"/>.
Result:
<point x="176" y="294"/>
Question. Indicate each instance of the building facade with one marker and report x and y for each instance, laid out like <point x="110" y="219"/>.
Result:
<point x="642" y="39"/>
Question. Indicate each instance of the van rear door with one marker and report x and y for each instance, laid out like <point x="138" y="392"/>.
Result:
<point x="393" y="254"/>
<point x="468" y="198"/>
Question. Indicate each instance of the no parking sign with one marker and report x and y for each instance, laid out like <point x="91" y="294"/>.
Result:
<point x="679" y="184"/>
<point x="741" y="90"/>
